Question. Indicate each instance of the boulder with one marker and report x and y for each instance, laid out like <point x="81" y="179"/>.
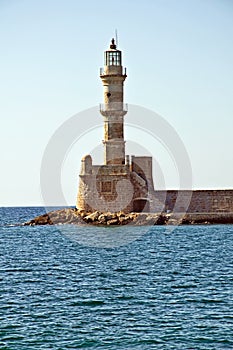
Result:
<point x="39" y="220"/>
<point x="102" y="219"/>
<point x="113" y="222"/>
<point x="81" y="212"/>
<point x="92" y="217"/>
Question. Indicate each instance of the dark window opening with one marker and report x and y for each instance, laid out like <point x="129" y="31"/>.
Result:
<point x="106" y="186"/>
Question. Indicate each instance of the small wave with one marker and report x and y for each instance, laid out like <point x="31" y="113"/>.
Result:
<point x="13" y="225"/>
<point x="87" y="303"/>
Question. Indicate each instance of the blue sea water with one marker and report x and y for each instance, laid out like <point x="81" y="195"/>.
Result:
<point x="163" y="290"/>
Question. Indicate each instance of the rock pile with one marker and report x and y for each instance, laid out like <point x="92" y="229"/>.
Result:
<point x="80" y="217"/>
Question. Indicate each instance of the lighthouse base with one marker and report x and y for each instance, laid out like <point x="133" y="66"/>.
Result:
<point x="116" y="188"/>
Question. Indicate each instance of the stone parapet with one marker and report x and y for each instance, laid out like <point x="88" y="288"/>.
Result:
<point x="201" y="201"/>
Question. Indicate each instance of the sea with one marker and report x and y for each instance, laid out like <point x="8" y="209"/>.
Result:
<point x="84" y="287"/>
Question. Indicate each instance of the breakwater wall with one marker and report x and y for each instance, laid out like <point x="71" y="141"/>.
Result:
<point x="196" y="201"/>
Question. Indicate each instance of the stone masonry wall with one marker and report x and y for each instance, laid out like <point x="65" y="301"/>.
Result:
<point x="112" y="193"/>
<point x="197" y="201"/>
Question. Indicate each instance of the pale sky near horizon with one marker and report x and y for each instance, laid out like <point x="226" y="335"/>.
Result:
<point x="179" y="59"/>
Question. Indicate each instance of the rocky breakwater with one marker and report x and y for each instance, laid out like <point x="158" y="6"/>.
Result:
<point x="80" y="217"/>
<point x="73" y="216"/>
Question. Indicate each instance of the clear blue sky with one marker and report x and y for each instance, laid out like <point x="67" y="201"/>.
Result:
<point x="179" y="57"/>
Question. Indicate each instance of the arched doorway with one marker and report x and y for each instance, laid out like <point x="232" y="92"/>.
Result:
<point x="141" y="204"/>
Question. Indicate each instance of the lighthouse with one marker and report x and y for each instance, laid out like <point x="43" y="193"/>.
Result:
<point x="121" y="183"/>
<point x="113" y="109"/>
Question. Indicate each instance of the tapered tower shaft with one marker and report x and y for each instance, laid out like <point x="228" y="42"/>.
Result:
<point x="113" y="109"/>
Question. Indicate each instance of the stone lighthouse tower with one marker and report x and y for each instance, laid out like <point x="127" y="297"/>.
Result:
<point x="113" y="109"/>
<point x="118" y="184"/>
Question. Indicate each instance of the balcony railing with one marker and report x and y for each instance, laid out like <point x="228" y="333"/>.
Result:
<point x="103" y="71"/>
<point x="114" y="106"/>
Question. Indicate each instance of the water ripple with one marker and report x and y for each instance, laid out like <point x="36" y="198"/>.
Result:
<point x="159" y="292"/>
